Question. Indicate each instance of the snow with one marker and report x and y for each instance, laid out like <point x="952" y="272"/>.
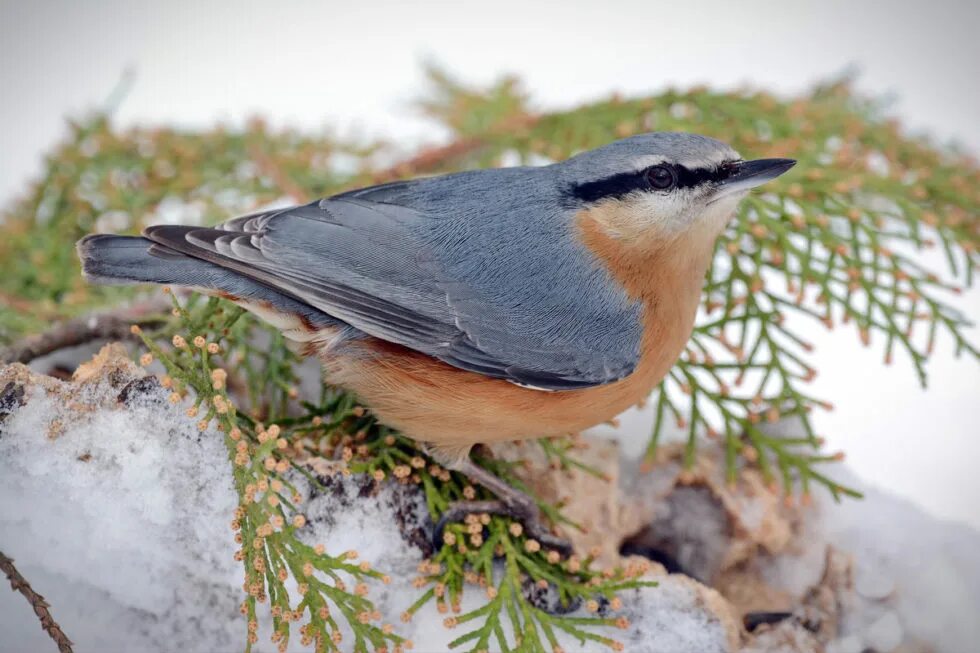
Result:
<point x="915" y="572"/>
<point x="118" y="513"/>
<point x="122" y="505"/>
<point x="672" y="618"/>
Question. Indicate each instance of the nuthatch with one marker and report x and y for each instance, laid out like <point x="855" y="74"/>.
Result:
<point x="481" y="306"/>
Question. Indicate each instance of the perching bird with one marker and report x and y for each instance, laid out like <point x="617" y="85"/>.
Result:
<point x="481" y="306"/>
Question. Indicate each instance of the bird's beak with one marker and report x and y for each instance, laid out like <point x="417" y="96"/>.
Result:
<point x="749" y="174"/>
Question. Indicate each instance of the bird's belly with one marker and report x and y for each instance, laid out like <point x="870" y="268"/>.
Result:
<point x="432" y="401"/>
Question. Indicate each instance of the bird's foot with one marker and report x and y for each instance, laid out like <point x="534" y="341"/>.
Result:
<point x="530" y="520"/>
<point x="512" y="503"/>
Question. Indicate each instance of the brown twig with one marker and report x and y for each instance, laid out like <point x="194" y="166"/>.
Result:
<point x="19" y="584"/>
<point x="17" y="303"/>
<point x="428" y="160"/>
<point x="431" y="159"/>
<point x="268" y="166"/>
<point x="425" y="161"/>
<point x="112" y="325"/>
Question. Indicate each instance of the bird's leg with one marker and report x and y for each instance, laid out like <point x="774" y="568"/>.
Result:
<point x="511" y="503"/>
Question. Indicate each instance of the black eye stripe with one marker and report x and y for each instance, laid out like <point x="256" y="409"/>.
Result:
<point x="610" y="187"/>
<point x="620" y="185"/>
<point x="687" y="178"/>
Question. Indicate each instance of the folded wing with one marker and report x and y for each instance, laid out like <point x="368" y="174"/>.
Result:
<point x="376" y="266"/>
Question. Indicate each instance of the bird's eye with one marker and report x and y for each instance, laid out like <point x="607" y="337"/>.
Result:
<point x="661" y="177"/>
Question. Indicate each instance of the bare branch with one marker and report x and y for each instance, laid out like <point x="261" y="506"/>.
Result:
<point x="434" y="158"/>
<point x="268" y="166"/>
<point x="111" y="325"/>
<point x="19" y="584"/>
<point x="428" y="160"/>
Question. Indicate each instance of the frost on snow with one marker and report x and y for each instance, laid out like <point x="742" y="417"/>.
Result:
<point x="116" y="509"/>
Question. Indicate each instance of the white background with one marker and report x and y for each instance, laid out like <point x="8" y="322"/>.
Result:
<point x="358" y="68"/>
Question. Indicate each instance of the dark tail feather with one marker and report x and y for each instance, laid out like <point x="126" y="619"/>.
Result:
<point x="109" y="259"/>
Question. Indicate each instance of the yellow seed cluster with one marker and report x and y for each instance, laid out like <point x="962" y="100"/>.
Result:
<point x="218" y="378"/>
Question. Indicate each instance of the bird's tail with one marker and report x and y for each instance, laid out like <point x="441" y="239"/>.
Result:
<point x="110" y="259"/>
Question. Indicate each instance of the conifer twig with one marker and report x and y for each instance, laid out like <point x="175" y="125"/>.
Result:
<point x="19" y="584"/>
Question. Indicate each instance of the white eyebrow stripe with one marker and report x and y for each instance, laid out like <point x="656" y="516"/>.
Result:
<point x="713" y="161"/>
<point x="644" y="162"/>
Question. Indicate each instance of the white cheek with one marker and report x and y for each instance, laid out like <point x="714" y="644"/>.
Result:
<point x="721" y="211"/>
<point x="672" y="213"/>
<point x="668" y="212"/>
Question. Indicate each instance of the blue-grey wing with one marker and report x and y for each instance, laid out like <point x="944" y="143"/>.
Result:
<point x="494" y="286"/>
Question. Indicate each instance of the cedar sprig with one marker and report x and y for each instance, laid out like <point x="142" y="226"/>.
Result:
<point x="331" y="591"/>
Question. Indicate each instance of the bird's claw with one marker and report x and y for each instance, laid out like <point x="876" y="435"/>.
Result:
<point x="528" y="517"/>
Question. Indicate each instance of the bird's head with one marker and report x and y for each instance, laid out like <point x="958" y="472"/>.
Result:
<point x="662" y="184"/>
